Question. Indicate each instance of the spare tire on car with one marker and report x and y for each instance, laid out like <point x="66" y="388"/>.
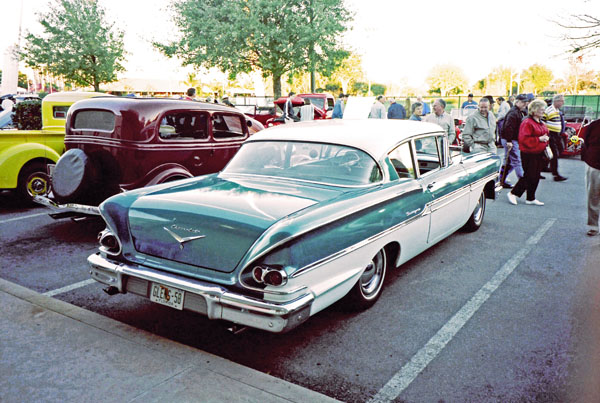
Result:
<point x="73" y="175"/>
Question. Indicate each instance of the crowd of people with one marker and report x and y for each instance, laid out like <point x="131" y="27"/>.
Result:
<point x="529" y="131"/>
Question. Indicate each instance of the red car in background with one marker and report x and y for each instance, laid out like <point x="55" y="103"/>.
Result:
<point x="576" y="122"/>
<point x="297" y="102"/>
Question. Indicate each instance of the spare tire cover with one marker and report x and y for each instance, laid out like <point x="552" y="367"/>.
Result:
<point x="71" y="174"/>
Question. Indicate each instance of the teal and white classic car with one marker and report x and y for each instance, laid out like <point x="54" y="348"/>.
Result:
<point x="303" y="215"/>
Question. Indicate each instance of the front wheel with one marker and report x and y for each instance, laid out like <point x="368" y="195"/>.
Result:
<point x="476" y="218"/>
<point x="33" y="181"/>
<point x="368" y="288"/>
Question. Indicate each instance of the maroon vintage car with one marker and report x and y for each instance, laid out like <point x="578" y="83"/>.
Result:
<point x="116" y="144"/>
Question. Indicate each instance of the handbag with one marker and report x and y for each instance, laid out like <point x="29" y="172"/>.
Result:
<point x="548" y="153"/>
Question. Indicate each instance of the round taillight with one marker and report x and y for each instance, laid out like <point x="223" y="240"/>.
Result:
<point x="257" y="274"/>
<point x="109" y="243"/>
<point x="274" y="277"/>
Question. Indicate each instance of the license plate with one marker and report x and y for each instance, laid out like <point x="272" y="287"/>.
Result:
<point x="168" y="296"/>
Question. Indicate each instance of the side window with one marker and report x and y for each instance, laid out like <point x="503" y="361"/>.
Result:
<point x="188" y="125"/>
<point x="401" y="159"/>
<point x="227" y="126"/>
<point x="428" y="156"/>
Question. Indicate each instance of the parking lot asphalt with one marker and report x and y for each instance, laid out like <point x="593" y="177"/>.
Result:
<point x="54" y="351"/>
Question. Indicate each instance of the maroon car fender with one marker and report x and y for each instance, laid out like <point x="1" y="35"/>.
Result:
<point x="161" y="174"/>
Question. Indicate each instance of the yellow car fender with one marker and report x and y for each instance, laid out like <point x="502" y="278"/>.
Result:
<point x="13" y="159"/>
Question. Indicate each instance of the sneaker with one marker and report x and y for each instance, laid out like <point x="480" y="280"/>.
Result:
<point x="512" y="198"/>
<point x="542" y="177"/>
<point x="592" y="232"/>
<point x="559" y="178"/>
<point x="536" y="202"/>
<point x="507" y="185"/>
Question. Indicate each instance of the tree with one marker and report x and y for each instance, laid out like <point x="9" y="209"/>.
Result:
<point x="23" y="81"/>
<point x="77" y="44"/>
<point x="447" y="79"/>
<point x="273" y="36"/>
<point x="537" y="77"/>
<point x="349" y="72"/>
<point x="584" y="32"/>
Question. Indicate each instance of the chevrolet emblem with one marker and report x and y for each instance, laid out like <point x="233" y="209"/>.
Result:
<point x="182" y="240"/>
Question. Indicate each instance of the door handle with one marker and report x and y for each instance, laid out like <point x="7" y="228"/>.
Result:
<point x="430" y="185"/>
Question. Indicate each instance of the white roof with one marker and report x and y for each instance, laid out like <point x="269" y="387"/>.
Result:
<point x="375" y="136"/>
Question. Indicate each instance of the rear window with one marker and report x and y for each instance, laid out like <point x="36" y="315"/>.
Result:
<point x="94" y="120"/>
<point x="60" y="111"/>
<point x="227" y="126"/>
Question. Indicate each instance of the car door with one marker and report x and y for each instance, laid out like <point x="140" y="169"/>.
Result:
<point x="184" y="140"/>
<point x="445" y="181"/>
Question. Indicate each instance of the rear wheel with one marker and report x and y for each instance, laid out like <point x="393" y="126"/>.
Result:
<point x="33" y="181"/>
<point x="368" y="288"/>
<point x="476" y="218"/>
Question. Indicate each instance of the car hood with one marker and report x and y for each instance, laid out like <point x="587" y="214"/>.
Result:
<point x="212" y="224"/>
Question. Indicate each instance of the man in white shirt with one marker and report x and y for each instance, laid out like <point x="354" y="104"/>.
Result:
<point x="307" y="111"/>
<point x="441" y="118"/>
<point x="378" y="109"/>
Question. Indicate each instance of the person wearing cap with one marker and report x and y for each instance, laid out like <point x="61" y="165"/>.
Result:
<point x="555" y="122"/>
<point x="396" y="110"/>
<point x="469" y="103"/>
<point x="378" y="109"/>
<point x="479" y="134"/>
<point x="226" y="101"/>
<point x="442" y="119"/>
<point x="509" y="138"/>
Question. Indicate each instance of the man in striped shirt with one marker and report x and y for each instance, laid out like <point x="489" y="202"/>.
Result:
<point x="554" y="120"/>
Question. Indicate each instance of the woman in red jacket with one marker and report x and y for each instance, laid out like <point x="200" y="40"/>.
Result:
<point x="533" y="139"/>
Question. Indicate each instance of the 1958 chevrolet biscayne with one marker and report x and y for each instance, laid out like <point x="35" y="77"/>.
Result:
<point x="304" y="214"/>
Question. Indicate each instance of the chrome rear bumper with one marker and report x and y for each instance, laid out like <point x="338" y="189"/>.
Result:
<point x="211" y="300"/>
<point x="67" y="207"/>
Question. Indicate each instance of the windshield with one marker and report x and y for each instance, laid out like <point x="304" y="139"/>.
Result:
<point x="314" y="162"/>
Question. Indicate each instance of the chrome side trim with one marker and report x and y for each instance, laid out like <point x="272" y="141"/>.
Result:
<point x="221" y="302"/>
<point x="68" y="207"/>
<point x="356" y="246"/>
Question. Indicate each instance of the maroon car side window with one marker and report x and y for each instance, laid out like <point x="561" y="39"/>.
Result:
<point x="184" y="125"/>
<point x="227" y="126"/>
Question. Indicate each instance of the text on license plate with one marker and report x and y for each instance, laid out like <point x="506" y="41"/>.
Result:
<point x="168" y="296"/>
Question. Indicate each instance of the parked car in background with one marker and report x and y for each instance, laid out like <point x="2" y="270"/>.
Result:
<point x="116" y="144"/>
<point x="303" y="215"/>
<point x="25" y="154"/>
<point x="576" y="119"/>
<point x="297" y="102"/>
<point x="321" y="100"/>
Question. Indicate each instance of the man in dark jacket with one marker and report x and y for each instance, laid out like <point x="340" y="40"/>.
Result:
<point x="510" y="140"/>
<point x="396" y="110"/>
<point x="590" y="154"/>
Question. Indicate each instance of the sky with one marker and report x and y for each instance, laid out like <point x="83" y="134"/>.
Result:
<point x="400" y="41"/>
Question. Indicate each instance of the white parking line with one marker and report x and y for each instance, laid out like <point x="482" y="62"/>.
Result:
<point x="436" y="344"/>
<point x="69" y="287"/>
<point x="22" y="218"/>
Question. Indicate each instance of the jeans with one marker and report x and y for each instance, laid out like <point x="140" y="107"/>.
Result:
<point x="514" y="160"/>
